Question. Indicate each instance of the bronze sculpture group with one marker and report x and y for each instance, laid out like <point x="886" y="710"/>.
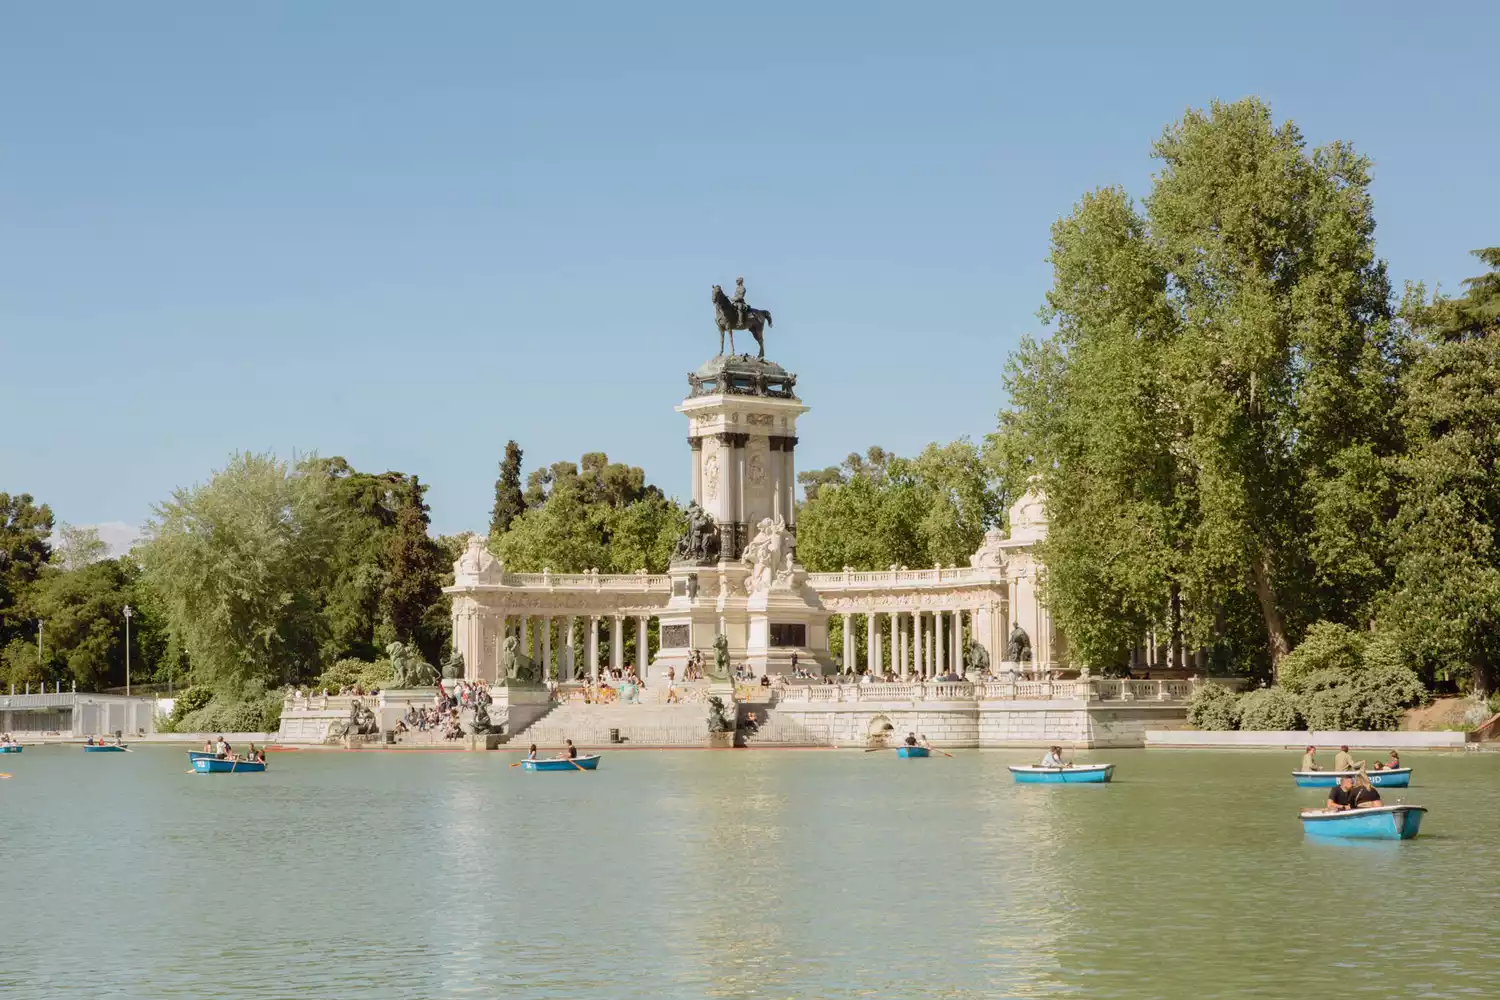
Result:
<point x="733" y="314"/>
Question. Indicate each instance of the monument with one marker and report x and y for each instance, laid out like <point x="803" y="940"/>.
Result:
<point x="734" y="571"/>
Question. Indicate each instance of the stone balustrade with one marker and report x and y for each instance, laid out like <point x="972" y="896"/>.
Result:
<point x="1094" y="689"/>
<point x="899" y="577"/>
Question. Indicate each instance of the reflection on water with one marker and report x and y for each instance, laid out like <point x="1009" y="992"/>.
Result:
<point x="758" y="874"/>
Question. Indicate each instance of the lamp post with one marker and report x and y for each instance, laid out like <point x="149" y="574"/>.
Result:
<point x="39" y="660"/>
<point x="128" y="613"/>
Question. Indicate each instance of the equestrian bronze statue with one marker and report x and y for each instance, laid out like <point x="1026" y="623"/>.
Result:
<point x="734" y="314"/>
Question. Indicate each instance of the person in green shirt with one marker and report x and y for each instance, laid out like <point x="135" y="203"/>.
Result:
<point x="1310" y="760"/>
<point x="1342" y="761"/>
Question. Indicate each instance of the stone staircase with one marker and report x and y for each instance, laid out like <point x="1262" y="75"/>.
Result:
<point x="640" y="725"/>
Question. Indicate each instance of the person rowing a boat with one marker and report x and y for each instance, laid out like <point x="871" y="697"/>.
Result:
<point x="531" y="754"/>
<point x="922" y="742"/>
<point x="911" y="739"/>
<point x="1053" y="758"/>
<point x="1352" y="792"/>
<point x="1394" y="763"/>
<point x="570" y="752"/>
<point x="1310" y="759"/>
<point x="1343" y="761"/>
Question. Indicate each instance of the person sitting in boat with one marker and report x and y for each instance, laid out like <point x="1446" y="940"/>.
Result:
<point x="922" y="741"/>
<point x="89" y="742"/>
<point x="208" y="746"/>
<point x="1394" y="762"/>
<point x="570" y="752"/>
<point x="259" y="756"/>
<point x="911" y="739"/>
<point x="1310" y="759"/>
<point x="1342" y="761"/>
<point x="531" y="754"/>
<point x="1053" y="758"/>
<point x="1379" y="766"/>
<point x="1353" y="792"/>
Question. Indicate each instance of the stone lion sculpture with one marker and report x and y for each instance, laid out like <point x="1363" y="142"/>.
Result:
<point x="516" y="665"/>
<point x="408" y="669"/>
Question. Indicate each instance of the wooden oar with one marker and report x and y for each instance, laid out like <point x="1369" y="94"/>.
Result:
<point x="875" y="749"/>
<point x="943" y="752"/>
<point x="576" y="764"/>
<point x="3" y="775"/>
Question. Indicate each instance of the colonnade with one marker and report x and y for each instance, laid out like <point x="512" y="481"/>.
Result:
<point x="921" y="644"/>
<point x="534" y="634"/>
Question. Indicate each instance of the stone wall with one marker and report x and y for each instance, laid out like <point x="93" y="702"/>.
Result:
<point x="975" y="724"/>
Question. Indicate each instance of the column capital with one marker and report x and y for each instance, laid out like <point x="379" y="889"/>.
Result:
<point x="695" y="442"/>
<point x="732" y="440"/>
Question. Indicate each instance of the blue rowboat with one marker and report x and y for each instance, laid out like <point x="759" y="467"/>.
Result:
<point x="588" y="763"/>
<point x="1395" y="777"/>
<point x="913" y="752"/>
<point x="209" y="765"/>
<point x="1077" y="774"/>
<point x="10" y="748"/>
<point x="202" y="755"/>
<point x="1375" y="823"/>
<point x="102" y="748"/>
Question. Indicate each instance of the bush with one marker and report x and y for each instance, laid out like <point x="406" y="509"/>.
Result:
<point x="347" y="673"/>
<point x="1214" y="707"/>
<point x="1350" y="680"/>
<point x="1269" y="709"/>
<point x="1327" y="656"/>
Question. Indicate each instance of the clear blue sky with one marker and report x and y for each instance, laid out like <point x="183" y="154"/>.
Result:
<point x="403" y="233"/>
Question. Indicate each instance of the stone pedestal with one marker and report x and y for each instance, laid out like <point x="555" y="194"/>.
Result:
<point x="786" y="619"/>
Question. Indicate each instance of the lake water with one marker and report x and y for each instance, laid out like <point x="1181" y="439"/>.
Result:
<point x="767" y="873"/>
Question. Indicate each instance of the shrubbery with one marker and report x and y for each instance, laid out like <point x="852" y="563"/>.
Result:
<point x="1269" y="710"/>
<point x="347" y="673"/>
<point x="1214" y="707"/>
<point x="200" y="710"/>
<point x="1336" y="678"/>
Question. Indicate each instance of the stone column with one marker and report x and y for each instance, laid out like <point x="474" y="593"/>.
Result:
<point x="918" y="660"/>
<point x="777" y="507"/>
<point x="525" y="636"/>
<point x="547" y="673"/>
<point x="941" y="660"/>
<point x="572" y="646"/>
<point x="849" y="656"/>
<point x="641" y="659"/>
<point x="617" y="643"/>
<point x="593" y="648"/>
<point x="900" y="630"/>
<point x="958" y="640"/>
<point x="696" y="444"/>
<point x="788" y="447"/>
<point x="872" y="641"/>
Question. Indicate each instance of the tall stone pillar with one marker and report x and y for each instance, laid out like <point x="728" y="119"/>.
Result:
<point x="872" y="642"/>
<point x="778" y="496"/>
<point x="570" y="667"/>
<point x="937" y="634"/>
<point x="788" y="447"/>
<point x="898" y="629"/>
<point x="958" y="640"/>
<point x="593" y="648"/>
<point x="641" y="650"/>
<point x="849" y="654"/>
<point x="547" y="673"/>
<point x="696" y="444"/>
<point x="918" y="639"/>
<point x="525" y="649"/>
<point x="617" y="643"/>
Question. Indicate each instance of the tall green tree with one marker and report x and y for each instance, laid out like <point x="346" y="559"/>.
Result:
<point x="25" y="527"/>
<point x="1445" y="604"/>
<point x="84" y="612"/>
<point x="1212" y="418"/>
<point x="77" y="547"/>
<point x="878" y="509"/>
<point x="415" y="573"/>
<point x="238" y="564"/>
<point x="509" y="502"/>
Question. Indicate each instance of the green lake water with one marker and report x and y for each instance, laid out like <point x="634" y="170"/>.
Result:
<point x="826" y="874"/>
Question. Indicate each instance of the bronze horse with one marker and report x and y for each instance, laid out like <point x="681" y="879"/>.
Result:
<point x="727" y="317"/>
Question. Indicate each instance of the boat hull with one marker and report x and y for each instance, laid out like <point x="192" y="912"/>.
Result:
<point x="202" y="755"/>
<point x="588" y="763"/>
<point x="11" y="748"/>
<point x="1396" y="777"/>
<point x="913" y="752"/>
<point x="102" y="749"/>
<point x="209" y="765"/>
<point x="1083" y="774"/>
<point x="1380" y="823"/>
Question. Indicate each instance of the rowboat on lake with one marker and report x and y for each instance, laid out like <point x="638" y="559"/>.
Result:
<point x="1376" y="823"/>
<point x="1075" y="774"/>
<point x="909" y="751"/>
<point x="210" y="765"/>
<point x="588" y="763"/>
<point x="202" y="755"/>
<point x="10" y="748"/>
<point x="1394" y="777"/>
<point x="103" y="748"/>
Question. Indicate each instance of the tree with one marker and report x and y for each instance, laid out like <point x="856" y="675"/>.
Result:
<point x="1212" y="416"/>
<point x="509" y="503"/>
<point x="86" y="627"/>
<point x="25" y="528"/>
<point x="880" y="510"/>
<point x="414" y="575"/>
<point x="1445" y="604"/>
<point x="77" y="547"/>
<point x="238" y="564"/>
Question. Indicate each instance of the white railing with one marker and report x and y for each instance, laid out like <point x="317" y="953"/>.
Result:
<point x="854" y="580"/>
<point x="1094" y="689"/>
<point x="639" y="581"/>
